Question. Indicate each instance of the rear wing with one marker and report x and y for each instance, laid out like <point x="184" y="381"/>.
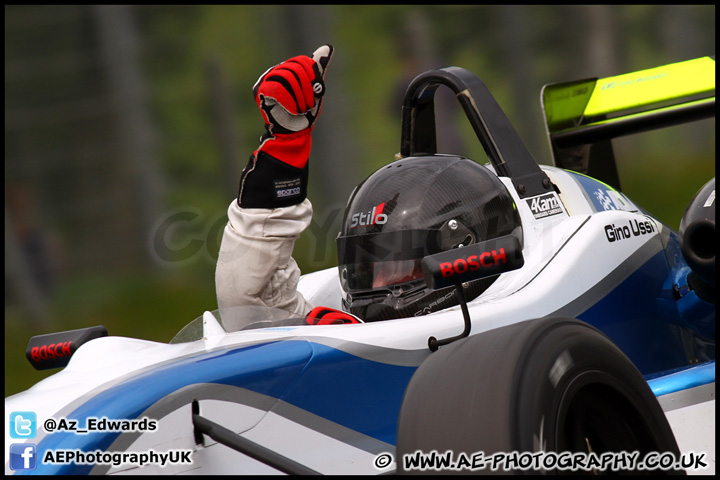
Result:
<point x="581" y="117"/>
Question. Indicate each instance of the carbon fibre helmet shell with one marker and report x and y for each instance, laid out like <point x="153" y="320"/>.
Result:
<point x="410" y="208"/>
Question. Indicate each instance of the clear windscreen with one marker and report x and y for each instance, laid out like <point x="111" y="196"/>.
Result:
<point x="235" y="319"/>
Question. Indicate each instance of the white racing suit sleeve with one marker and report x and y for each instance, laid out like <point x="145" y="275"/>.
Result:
<point x="255" y="264"/>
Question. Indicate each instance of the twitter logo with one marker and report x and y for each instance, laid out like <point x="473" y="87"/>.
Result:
<point x="23" y="425"/>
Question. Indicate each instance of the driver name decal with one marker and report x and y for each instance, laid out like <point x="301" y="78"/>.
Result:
<point x="633" y="228"/>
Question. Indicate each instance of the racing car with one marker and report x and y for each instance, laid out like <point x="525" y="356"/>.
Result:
<point x="597" y="336"/>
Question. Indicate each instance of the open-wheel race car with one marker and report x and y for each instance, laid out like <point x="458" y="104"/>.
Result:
<point x="592" y="349"/>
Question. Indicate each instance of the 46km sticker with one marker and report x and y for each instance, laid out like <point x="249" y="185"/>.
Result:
<point x="545" y="205"/>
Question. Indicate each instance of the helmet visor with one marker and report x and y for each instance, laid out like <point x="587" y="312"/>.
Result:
<point x="360" y="277"/>
<point x="384" y="259"/>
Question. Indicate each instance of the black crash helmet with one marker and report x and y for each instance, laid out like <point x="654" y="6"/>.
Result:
<point x="411" y="208"/>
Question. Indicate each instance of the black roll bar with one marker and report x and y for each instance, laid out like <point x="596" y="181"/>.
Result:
<point x="499" y="139"/>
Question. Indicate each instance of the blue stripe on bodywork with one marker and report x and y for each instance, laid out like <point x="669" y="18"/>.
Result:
<point x="357" y="393"/>
<point x="688" y="378"/>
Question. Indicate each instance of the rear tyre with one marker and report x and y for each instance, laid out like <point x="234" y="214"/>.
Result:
<point x="553" y="385"/>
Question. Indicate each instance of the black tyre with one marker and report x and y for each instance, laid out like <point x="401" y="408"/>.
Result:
<point x="552" y="385"/>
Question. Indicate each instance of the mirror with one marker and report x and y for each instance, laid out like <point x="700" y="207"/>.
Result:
<point x="473" y="262"/>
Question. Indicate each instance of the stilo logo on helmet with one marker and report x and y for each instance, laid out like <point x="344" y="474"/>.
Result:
<point x="375" y="216"/>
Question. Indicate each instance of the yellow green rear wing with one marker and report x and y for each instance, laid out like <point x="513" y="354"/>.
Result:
<point x="581" y="117"/>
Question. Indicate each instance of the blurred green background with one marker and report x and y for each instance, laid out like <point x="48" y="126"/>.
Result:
<point x="126" y="128"/>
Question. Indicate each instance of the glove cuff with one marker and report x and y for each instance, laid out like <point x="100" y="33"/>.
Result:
<point x="267" y="182"/>
<point x="290" y="148"/>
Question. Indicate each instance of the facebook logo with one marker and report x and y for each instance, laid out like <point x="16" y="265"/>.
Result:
<point x="22" y="456"/>
<point x="23" y="425"/>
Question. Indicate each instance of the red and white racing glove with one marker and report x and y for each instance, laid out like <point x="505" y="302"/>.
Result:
<point x="289" y="96"/>
<point x="330" y="316"/>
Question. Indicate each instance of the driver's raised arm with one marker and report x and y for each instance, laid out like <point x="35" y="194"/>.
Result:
<point x="255" y="264"/>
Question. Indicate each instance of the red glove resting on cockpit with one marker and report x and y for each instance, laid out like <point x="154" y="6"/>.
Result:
<point x="330" y="316"/>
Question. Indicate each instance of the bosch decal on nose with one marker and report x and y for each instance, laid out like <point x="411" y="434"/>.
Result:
<point x="54" y="350"/>
<point x="48" y="352"/>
